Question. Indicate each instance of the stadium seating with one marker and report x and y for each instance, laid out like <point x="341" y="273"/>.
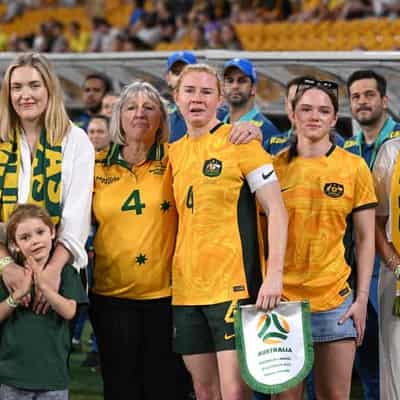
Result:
<point x="362" y="34"/>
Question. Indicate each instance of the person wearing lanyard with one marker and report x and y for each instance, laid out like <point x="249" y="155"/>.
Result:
<point x="368" y="104"/>
<point x="239" y="87"/>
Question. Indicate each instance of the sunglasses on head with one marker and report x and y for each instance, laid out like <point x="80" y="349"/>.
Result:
<point x="310" y="83"/>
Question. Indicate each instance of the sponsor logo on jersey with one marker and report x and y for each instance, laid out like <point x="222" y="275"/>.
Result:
<point x="107" y="180"/>
<point x="266" y="176"/>
<point x="334" y="189"/>
<point x="229" y="337"/>
<point x="212" y="168"/>
<point x="158" y="170"/>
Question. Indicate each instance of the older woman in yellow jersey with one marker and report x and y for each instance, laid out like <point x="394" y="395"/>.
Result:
<point x="136" y="227"/>
<point x="323" y="186"/>
<point x="218" y="260"/>
<point x="46" y="160"/>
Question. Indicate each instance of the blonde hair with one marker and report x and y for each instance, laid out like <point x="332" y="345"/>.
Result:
<point x="199" y="68"/>
<point x="132" y="90"/>
<point x="55" y="121"/>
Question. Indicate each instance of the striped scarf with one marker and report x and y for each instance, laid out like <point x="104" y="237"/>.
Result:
<point x="45" y="189"/>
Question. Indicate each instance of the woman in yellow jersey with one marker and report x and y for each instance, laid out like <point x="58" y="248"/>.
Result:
<point x="218" y="260"/>
<point x="322" y="186"/>
<point x="136" y="220"/>
<point x="45" y="160"/>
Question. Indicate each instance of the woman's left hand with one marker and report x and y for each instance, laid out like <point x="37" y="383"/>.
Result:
<point x="358" y="312"/>
<point x="244" y="132"/>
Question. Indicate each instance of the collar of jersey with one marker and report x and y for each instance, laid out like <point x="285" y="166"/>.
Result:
<point x="156" y="153"/>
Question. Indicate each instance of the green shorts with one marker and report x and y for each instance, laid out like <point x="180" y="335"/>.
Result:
<point x="204" y="329"/>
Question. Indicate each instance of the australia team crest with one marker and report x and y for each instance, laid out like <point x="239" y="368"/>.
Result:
<point x="212" y="168"/>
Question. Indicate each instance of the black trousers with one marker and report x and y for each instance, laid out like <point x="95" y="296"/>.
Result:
<point x="135" y="346"/>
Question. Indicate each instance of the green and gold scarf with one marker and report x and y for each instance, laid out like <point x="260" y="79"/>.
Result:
<point x="45" y="177"/>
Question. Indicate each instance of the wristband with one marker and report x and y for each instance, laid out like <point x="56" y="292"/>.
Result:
<point x="4" y="261"/>
<point x="11" y="302"/>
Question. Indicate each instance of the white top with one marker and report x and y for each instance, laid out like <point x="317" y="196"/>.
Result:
<point x="76" y="190"/>
<point x="382" y="172"/>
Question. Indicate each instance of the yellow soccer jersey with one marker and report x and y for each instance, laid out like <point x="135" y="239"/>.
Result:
<point x="319" y="194"/>
<point x="218" y="255"/>
<point x="137" y="223"/>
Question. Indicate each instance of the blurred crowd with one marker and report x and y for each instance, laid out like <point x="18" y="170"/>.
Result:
<point x="206" y="23"/>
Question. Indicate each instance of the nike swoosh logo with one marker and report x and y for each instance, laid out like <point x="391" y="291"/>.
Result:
<point x="267" y="176"/>
<point x="286" y="189"/>
<point x="228" y="337"/>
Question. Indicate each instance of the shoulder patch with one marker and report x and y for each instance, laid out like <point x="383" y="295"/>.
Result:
<point x="278" y="140"/>
<point x="349" y="143"/>
<point x="256" y="123"/>
<point x="394" y="134"/>
<point x="171" y="108"/>
<point x="212" y="168"/>
<point x="334" y="190"/>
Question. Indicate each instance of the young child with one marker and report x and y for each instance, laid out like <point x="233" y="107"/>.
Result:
<point x="34" y="348"/>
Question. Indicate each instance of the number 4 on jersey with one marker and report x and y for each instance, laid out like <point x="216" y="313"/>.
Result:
<point x="133" y="203"/>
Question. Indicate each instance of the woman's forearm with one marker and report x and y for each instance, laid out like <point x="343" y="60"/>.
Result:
<point x="364" y="222"/>
<point x="66" y="308"/>
<point x="269" y="196"/>
<point x="60" y="257"/>
<point x="277" y="238"/>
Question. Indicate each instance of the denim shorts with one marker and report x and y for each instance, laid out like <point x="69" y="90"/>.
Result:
<point x="325" y="325"/>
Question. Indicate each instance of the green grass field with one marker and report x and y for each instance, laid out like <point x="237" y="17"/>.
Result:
<point x="86" y="384"/>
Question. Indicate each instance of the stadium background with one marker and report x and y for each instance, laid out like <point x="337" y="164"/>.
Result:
<point x="280" y="49"/>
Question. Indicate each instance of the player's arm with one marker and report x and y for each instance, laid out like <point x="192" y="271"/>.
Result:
<point x="364" y="230"/>
<point x="270" y="198"/>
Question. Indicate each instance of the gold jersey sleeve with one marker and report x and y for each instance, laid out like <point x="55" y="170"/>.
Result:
<point x="218" y="254"/>
<point x="320" y="194"/>
<point x="137" y="222"/>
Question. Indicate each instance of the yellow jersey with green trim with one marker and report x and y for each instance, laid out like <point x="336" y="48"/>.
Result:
<point x="218" y="255"/>
<point x="320" y="195"/>
<point x="137" y="222"/>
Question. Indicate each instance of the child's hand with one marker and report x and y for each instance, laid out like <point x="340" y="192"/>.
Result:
<point x="37" y="271"/>
<point x="25" y="287"/>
